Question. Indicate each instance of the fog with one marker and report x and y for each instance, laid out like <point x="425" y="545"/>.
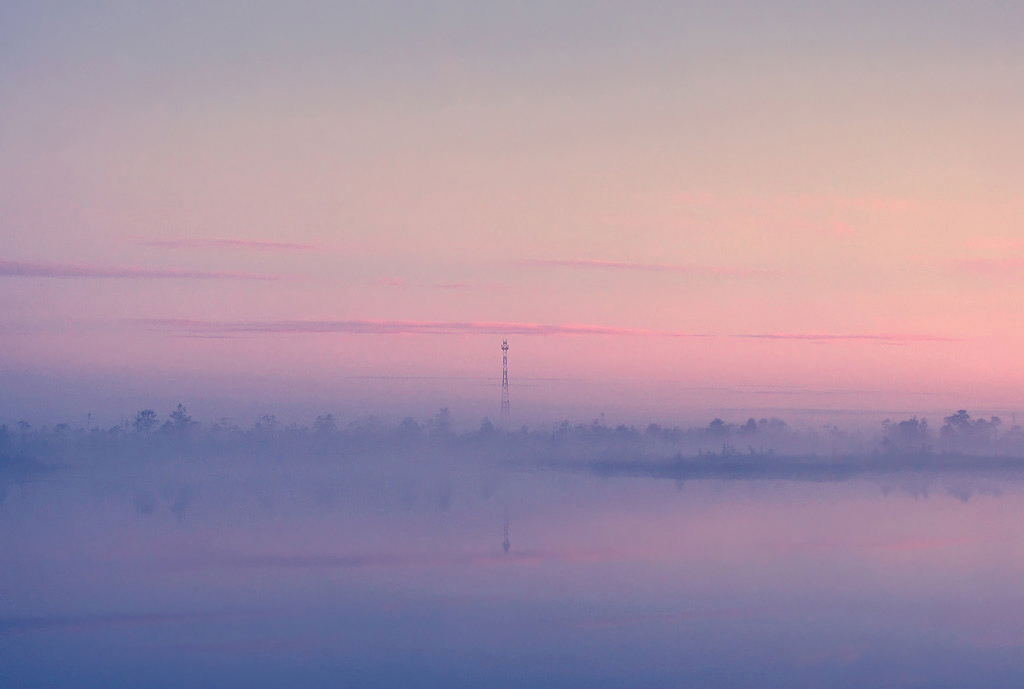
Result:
<point x="168" y="552"/>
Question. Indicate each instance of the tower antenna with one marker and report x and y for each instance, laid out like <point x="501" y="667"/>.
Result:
<point x="505" y="407"/>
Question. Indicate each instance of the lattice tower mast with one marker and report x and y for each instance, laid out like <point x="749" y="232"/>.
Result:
<point x="505" y="407"/>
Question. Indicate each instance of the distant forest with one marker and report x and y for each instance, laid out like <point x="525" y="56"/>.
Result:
<point x="178" y="432"/>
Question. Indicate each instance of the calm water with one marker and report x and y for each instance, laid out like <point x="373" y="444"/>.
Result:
<point x="244" y="573"/>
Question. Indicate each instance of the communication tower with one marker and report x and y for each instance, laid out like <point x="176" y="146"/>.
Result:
<point x="505" y="408"/>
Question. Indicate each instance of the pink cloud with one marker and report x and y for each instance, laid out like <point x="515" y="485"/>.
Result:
<point x="891" y="338"/>
<point x="374" y="327"/>
<point x="468" y="287"/>
<point x="228" y="243"/>
<point x="40" y="269"/>
<point x="403" y="327"/>
<point x="697" y="271"/>
<point x="450" y="286"/>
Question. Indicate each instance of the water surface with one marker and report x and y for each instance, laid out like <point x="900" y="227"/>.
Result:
<point x="389" y="571"/>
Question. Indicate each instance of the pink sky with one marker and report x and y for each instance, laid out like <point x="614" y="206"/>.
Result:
<point x="829" y="205"/>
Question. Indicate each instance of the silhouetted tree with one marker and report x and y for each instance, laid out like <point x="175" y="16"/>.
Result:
<point x="957" y="423"/>
<point x="963" y="432"/>
<point x="718" y="428"/>
<point x="773" y="424"/>
<point x="145" y="421"/>
<point x="409" y="428"/>
<point x="906" y="436"/>
<point x="180" y="421"/>
<point x="325" y="424"/>
<point x="266" y="423"/>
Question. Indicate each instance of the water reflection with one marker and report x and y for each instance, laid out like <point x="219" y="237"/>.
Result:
<point x="262" y="573"/>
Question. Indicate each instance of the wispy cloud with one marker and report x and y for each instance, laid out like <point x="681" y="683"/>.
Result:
<point x="373" y="327"/>
<point x="692" y="270"/>
<point x="41" y="269"/>
<point x="450" y="286"/>
<point x="501" y="328"/>
<point x="891" y="338"/>
<point x="229" y="243"/>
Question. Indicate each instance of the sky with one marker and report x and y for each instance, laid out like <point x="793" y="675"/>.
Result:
<point x="664" y="206"/>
